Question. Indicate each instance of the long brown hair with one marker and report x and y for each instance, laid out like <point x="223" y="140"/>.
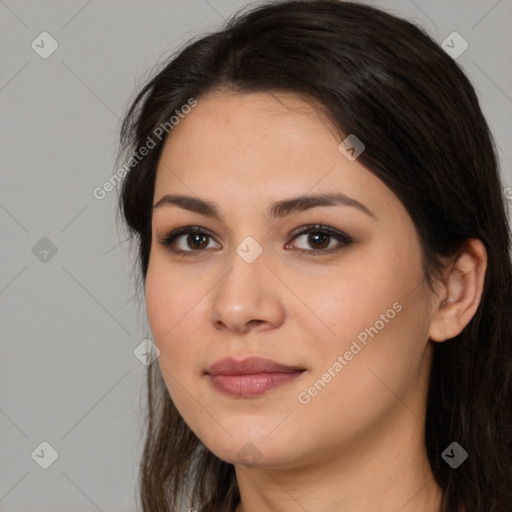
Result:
<point x="426" y="138"/>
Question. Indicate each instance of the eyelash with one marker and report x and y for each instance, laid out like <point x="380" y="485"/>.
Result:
<point x="343" y="238"/>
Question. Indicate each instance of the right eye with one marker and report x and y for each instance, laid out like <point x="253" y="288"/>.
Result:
<point x="195" y="241"/>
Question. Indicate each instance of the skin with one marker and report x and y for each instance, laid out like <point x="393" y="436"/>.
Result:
<point x="357" y="445"/>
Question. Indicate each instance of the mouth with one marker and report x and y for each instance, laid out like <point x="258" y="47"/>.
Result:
<point x="250" y="377"/>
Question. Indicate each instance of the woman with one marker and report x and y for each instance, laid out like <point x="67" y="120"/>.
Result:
<point x="324" y="250"/>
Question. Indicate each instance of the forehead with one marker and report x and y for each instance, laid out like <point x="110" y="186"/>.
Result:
<point x="252" y="120"/>
<point x="261" y="147"/>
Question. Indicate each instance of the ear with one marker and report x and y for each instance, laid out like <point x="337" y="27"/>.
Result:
<point x="460" y="293"/>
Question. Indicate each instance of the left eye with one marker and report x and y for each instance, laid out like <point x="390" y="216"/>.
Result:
<point x="319" y="237"/>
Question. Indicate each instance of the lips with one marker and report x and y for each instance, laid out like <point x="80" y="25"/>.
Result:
<point x="248" y="366"/>
<point x="250" y="377"/>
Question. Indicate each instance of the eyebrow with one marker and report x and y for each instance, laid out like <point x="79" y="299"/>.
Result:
<point x="278" y="209"/>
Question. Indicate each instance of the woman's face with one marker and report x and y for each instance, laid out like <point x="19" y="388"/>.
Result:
<point x="355" y="315"/>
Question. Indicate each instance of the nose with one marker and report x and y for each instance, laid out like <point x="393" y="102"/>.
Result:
<point x="248" y="297"/>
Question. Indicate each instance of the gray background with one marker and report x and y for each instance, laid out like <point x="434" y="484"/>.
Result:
<point x="70" y="323"/>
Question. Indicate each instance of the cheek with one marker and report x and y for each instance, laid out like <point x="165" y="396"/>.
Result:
<point x="166" y="307"/>
<point x="368" y="363"/>
<point x="159" y="303"/>
<point x="375" y="317"/>
<point x="168" y="298"/>
<point x="379" y="345"/>
<point x="174" y="306"/>
<point x="358" y="300"/>
<point x="170" y="315"/>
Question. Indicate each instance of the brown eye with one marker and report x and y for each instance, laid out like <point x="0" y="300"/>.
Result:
<point x="186" y="240"/>
<point x="197" y="241"/>
<point x="191" y="240"/>
<point x="319" y="238"/>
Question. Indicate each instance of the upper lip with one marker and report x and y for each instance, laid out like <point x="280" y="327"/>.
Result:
<point x="249" y="365"/>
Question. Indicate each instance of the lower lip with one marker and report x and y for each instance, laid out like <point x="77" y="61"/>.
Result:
<point x="247" y="386"/>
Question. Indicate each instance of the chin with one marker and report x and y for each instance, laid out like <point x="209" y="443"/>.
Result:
<point x="247" y="449"/>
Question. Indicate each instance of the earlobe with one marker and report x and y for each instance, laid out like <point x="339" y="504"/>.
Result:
<point x="461" y="292"/>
